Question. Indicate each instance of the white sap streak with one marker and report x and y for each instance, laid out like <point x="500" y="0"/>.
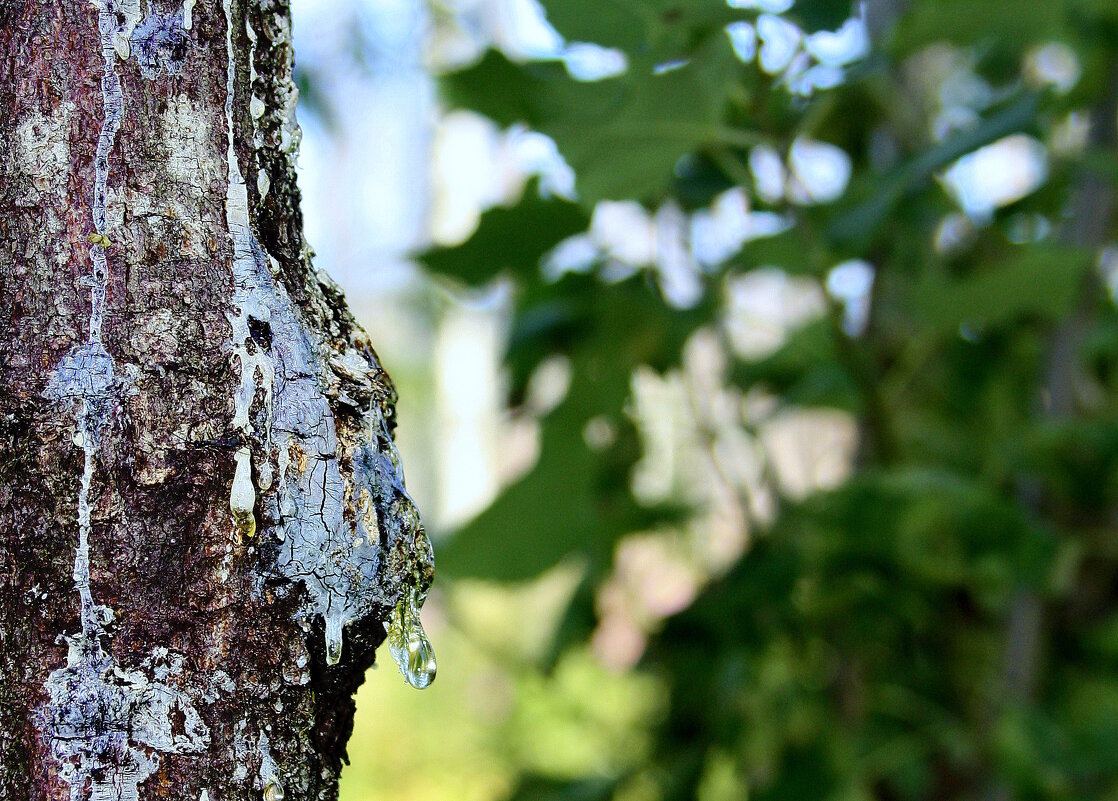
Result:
<point x="81" y="556"/>
<point x="129" y="15"/>
<point x="245" y="277"/>
<point x="242" y="498"/>
<point x="187" y="14"/>
<point x="113" y="99"/>
<point x="340" y="562"/>
<point x="269" y="771"/>
<point x="88" y="373"/>
<point x="290" y="133"/>
<point x="105" y="725"/>
<point x="251" y="54"/>
<point x="311" y="496"/>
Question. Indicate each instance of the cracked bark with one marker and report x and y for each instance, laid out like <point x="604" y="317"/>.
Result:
<point x="207" y="677"/>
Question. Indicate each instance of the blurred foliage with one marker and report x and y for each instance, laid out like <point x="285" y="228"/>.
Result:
<point x="942" y="624"/>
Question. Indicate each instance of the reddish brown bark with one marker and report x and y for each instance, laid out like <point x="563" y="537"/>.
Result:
<point x="214" y="646"/>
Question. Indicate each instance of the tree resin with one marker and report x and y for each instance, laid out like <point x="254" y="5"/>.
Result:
<point x="408" y="643"/>
<point x="242" y="498"/>
<point x="273" y="790"/>
<point x="334" y="626"/>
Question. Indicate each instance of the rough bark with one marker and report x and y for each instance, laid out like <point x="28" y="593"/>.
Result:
<point x="198" y="485"/>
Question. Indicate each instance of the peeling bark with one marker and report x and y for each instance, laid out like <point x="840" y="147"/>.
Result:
<point x="201" y="503"/>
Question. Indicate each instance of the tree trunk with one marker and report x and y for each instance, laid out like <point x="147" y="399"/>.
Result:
<point x="200" y="498"/>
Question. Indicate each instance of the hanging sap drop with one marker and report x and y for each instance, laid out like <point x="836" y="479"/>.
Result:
<point x="408" y="643"/>
<point x="334" y="625"/>
<point x="421" y="661"/>
<point x="242" y="497"/>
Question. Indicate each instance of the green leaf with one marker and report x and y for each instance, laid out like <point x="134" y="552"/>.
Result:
<point x="819" y="15"/>
<point x="791" y="250"/>
<point x="856" y="225"/>
<point x="1076" y="461"/>
<point x="1004" y="22"/>
<point x="508" y="93"/>
<point x="626" y="24"/>
<point x="622" y="136"/>
<point x="510" y="239"/>
<point x="646" y="29"/>
<point x="805" y="371"/>
<point x="804" y="773"/>
<point x="659" y="29"/>
<point x="1039" y="282"/>
<point x="576" y="499"/>
<point x="538" y="788"/>
<point x="630" y="149"/>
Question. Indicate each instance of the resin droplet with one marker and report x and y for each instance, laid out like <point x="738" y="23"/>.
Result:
<point x="269" y="772"/>
<point x="408" y="643"/>
<point x="187" y="16"/>
<point x="273" y="790"/>
<point x="123" y="47"/>
<point x="242" y="498"/>
<point x="334" y="626"/>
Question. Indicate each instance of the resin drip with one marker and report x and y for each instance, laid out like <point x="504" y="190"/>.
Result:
<point x="339" y="557"/>
<point x="254" y="361"/>
<point x="188" y="14"/>
<point x="242" y="498"/>
<point x="408" y="643"/>
<point x="269" y="771"/>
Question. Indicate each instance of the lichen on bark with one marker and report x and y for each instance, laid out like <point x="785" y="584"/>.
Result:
<point x="164" y="338"/>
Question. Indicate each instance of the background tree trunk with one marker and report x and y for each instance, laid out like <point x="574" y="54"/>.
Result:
<point x="198" y="485"/>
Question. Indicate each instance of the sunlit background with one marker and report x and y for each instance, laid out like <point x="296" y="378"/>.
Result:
<point x="387" y="171"/>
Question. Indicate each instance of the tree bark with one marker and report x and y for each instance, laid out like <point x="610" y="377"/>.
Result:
<point x="200" y="499"/>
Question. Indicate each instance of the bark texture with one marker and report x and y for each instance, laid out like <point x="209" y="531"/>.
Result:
<point x="198" y="485"/>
